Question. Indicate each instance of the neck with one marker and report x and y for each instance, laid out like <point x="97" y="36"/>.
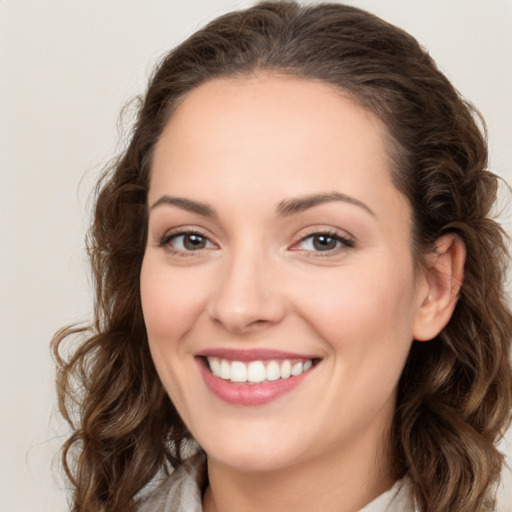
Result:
<point x="346" y="481"/>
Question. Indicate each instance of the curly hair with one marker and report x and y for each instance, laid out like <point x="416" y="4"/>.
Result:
<point x="455" y="393"/>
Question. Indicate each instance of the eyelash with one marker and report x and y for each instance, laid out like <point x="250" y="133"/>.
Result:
<point x="343" y="243"/>
<point x="165" y="241"/>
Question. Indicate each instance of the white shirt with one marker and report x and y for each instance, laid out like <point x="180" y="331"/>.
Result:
<point x="181" y="492"/>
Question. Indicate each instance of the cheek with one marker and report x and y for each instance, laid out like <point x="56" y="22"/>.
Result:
<point x="358" y="308"/>
<point x="366" y="324"/>
<point x="171" y="301"/>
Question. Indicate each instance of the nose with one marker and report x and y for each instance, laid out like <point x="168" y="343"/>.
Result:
<point x="248" y="294"/>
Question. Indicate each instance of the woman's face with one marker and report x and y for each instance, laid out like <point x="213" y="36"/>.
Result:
<point x="278" y="251"/>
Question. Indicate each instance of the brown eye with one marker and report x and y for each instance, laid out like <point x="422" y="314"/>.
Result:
<point x="193" y="242"/>
<point x="187" y="242"/>
<point x="324" y="242"/>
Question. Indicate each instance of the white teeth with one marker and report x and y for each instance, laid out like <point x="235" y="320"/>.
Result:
<point x="215" y="366"/>
<point x="238" y="372"/>
<point x="225" y="370"/>
<point x="296" y="369"/>
<point x="286" y="370"/>
<point x="273" y="371"/>
<point x="257" y="371"/>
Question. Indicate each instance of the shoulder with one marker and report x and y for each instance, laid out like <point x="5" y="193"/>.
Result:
<point x="181" y="491"/>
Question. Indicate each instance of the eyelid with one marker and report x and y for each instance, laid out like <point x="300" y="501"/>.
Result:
<point x="346" y="239"/>
<point x="169" y="235"/>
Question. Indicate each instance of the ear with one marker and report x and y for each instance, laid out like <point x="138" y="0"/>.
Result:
<point x="440" y="285"/>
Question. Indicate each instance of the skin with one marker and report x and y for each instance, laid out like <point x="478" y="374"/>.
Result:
<point x="244" y="146"/>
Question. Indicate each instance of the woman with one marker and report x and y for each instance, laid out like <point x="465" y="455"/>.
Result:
<point x="295" y="269"/>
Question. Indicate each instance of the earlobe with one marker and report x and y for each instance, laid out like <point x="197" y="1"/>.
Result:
<point x="442" y="280"/>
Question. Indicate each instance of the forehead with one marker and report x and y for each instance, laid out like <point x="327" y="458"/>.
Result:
<point x="259" y="101"/>
<point x="271" y="134"/>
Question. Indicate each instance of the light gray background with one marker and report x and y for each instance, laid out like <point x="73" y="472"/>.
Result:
<point x="66" y="69"/>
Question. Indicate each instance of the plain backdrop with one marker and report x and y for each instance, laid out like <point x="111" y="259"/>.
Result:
<point x="67" y="67"/>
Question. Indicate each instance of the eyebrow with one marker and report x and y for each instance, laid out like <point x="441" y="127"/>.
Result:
<point x="285" y="208"/>
<point x="186" y="204"/>
<point x="300" y="204"/>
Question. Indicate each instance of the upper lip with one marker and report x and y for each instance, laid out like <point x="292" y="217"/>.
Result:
<point x="252" y="354"/>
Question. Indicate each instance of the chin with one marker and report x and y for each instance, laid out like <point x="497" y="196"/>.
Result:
<point x="251" y="453"/>
<point x="252" y="460"/>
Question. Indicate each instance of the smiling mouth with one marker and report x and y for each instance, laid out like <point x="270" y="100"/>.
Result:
<point x="249" y="378"/>
<point x="259" y="371"/>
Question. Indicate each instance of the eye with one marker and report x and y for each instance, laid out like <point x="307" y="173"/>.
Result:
<point x="323" y="242"/>
<point x="186" y="242"/>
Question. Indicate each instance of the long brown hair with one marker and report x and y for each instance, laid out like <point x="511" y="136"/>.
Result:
<point x="455" y="394"/>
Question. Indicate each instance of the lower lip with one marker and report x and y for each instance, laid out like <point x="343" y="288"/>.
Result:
<point x="249" y="394"/>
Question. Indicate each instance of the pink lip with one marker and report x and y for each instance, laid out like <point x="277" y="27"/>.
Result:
<point x="246" y="394"/>
<point x="246" y="355"/>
